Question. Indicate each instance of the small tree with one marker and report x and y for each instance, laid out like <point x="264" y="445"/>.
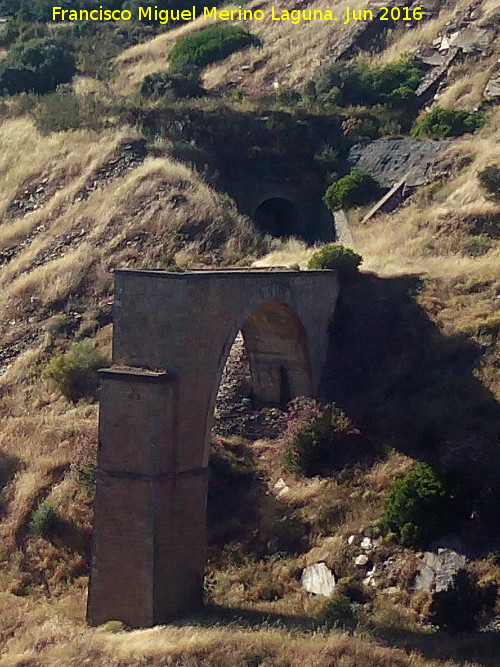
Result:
<point x="418" y="507"/>
<point x="317" y="435"/>
<point x="38" y="65"/>
<point x="75" y="372"/>
<point x="211" y="44"/>
<point x="336" y="256"/>
<point x="44" y="520"/>
<point x="356" y="189"/>
<point x="489" y="177"/>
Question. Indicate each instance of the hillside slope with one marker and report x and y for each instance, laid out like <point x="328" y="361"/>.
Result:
<point x="417" y="362"/>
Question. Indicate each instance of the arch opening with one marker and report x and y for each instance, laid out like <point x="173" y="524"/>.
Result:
<point x="266" y="364"/>
<point x="278" y="217"/>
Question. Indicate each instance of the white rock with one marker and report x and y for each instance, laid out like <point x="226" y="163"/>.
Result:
<point x="366" y="543"/>
<point x="369" y="580"/>
<point x="318" y="579"/>
<point x="361" y="560"/>
<point x="283" y="491"/>
<point x="350" y="540"/>
<point x="280" y="484"/>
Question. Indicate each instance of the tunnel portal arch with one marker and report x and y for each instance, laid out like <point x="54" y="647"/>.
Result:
<point x="172" y="336"/>
<point x="279" y="217"/>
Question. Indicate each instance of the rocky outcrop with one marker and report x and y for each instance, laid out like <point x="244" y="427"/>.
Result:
<point x="436" y="570"/>
<point x="389" y="160"/>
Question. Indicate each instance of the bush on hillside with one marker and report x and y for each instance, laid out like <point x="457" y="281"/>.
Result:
<point x="489" y="177"/>
<point x="211" y="44"/>
<point x="340" y="612"/>
<point x="316" y="437"/>
<point x="336" y="256"/>
<point x="16" y="30"/>
<point x="307" y="439"/>
<point x="393" y="84"/>
<point x="44" y="520"/>
<point x="38" y="66"/>
<point x="182" y="82"/>
<point x="75" y="372"/>
<point x="418" y="507"/>
<point x="356" y="189"/>
<point x="344" y="84"/>
<point x="439" y="123"/>
<point x="464" y="606"/>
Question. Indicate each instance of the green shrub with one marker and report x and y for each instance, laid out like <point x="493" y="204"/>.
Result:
<point x="327" y="157"/>
<point x="336" y="256"/>
<point x="211" y="44"/>
<point x="287" y="97"/>
<point x="17" y="30"/>
<point x="339" y="612"/>
<point x="64" y="110"/>
<point x="393" y="84"/>
<point x="38" y="65"/>
<point x="356" y="189"/>
<point x="464" y="606"/>
<point x="309" y="449"/>
<point x="489" y="177"/>
<point x="316" y="436"/>
<point x="182" y="81"/>
<point x="418" y="507"/>
<point x="344" y="84"/>
<point x="75" y="372"/>
<point x="441" y="123"/>
<point x="44" y="520"/>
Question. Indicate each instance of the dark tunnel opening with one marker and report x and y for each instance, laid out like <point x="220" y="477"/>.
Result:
<point x="278" y="217"/>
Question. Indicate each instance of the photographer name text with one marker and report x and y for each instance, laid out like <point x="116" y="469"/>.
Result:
<point x="295" y="16"/>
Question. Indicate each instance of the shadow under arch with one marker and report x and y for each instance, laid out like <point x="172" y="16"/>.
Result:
<point x="172" y="335"/>
<point x="277" y="351"/>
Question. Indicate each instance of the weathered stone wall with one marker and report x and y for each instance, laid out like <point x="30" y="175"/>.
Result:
<point x="172" y="336"/>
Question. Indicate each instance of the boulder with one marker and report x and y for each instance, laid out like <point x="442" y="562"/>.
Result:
<point x="361" y="560"/>
<point x="437" y="568"/>
<point x="318" y="579"/>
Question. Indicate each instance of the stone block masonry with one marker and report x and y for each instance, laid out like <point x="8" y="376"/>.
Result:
<point x="172" y="336"/>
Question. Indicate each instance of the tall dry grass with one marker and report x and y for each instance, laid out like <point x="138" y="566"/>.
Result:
<point x="33" y="634"/>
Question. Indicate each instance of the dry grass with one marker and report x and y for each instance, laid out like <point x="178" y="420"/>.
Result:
<point x="289" y="55"/>
<point x="287" y="252"/>
<point x="178" y="216"/>
<point x="64" y="253"/>
<point x="33" y="634"/>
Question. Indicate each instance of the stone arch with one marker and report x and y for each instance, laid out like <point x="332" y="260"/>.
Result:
<point x="279" y="216"/>
<point x="172" y="336"/>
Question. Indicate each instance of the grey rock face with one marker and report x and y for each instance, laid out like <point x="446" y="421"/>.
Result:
<point x="437" y="569"/>
<point x="389" y="160"/>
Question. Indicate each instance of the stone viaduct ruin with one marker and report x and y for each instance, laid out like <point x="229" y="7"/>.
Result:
<point x="172" y="336"/>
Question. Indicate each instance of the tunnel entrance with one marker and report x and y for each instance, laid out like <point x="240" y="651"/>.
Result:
<point x="278" y="217"/>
